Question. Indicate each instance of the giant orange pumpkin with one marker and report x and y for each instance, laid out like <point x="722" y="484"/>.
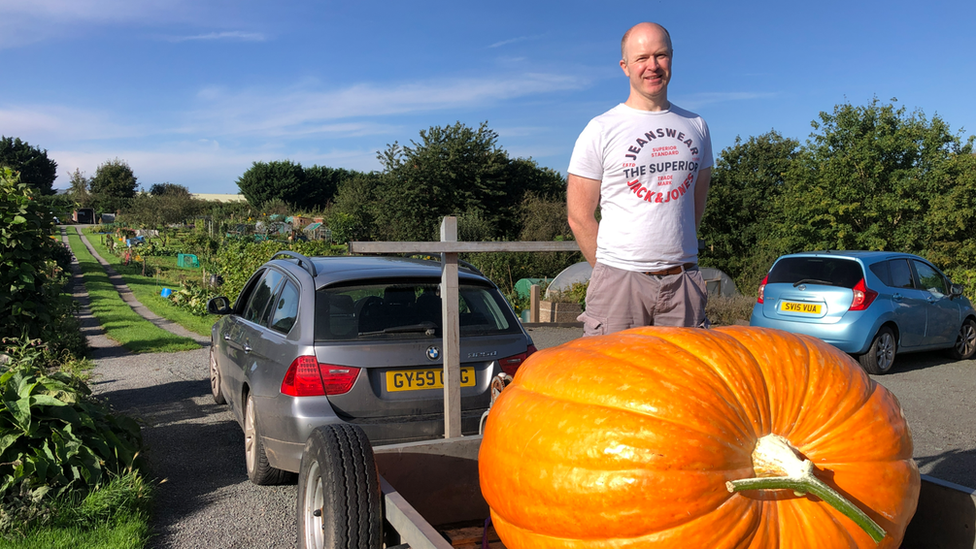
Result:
<point x="629" y="441"/>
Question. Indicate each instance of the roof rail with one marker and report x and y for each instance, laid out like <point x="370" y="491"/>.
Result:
<point x="303" y="261"/>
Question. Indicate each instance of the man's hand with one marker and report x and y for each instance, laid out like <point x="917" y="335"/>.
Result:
<point x="582" y="199"/>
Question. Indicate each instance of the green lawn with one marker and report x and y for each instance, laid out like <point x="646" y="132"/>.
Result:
<point x="120" y="322"/>
<point x="115" y="516"/>
<point x="128" y="533"/>
<point x="147" y="289"/>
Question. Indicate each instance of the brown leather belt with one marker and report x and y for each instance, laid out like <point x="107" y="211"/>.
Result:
<point x="673" y="270"/>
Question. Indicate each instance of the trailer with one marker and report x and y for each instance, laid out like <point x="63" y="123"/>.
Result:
<point x="427" y="495"/>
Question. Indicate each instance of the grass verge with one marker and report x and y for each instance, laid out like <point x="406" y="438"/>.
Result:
<point x="146" y="288"/>
<point x="120" y="322"/>
<point x="115" y="516"/>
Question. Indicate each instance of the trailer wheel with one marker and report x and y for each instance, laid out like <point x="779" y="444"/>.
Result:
<point x="339" y="491"/>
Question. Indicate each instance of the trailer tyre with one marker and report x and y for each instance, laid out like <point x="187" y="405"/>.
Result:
<point x="339" y="491"/>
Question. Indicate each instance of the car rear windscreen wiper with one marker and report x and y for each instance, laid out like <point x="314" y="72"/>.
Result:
<point x="427" y="328"/>
<point x="813" y="281"/>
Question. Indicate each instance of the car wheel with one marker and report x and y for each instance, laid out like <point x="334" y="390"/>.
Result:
<point x="881" y="354"/>
<point x="258" y="469"/>
<point x="215" y="377"/>
<point x="965" y="346"/>
<point x="339" y="491"/>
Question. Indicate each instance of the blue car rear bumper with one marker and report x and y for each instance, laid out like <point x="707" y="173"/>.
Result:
<point x="850" y="334"/>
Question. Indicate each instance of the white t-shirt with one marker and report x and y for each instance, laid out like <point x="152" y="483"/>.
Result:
<point x="648" y="163"/>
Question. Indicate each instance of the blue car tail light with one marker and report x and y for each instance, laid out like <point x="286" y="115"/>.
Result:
<point x="863" y="296"/>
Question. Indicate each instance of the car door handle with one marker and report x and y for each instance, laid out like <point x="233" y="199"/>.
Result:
<point x="247" y="348"/>
<point x="226" y="337"/>
<point x="896" y="297"/>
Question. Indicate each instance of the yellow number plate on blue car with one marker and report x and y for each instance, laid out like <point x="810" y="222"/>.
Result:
<point x="806" y="308"/>
<point x="433" y="378"/>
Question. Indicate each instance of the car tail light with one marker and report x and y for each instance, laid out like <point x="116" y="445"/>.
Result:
<point x="762" y="289"/>
<point x="338" y="379"/>
<point x="307" y="377"/>
<point x="511" y="364"/>
<point x="863" y="296"/>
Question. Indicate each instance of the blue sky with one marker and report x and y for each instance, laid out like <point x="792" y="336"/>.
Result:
<point x="192" y="92"/>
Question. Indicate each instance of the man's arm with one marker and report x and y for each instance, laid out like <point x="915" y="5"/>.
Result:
<point x="701" y="194"/>
<point x="582" y="198"/>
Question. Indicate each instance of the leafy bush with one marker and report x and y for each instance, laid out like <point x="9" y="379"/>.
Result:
<point x="726" y="311"/>
<point x="965" y="277"/>
<point x="160" y="209"/>
<point x="576" y="293"/>
<point x="56" y="439"/>
<point x="32" y="265"/>
<point x="192" y="298"/>
<point x="236" y="260"/>
<point x="507" y="268"/>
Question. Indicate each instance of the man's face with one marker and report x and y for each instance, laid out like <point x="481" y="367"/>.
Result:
<point x="647" y="62"/>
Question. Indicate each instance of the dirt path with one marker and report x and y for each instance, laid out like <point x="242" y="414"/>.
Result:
<point x="193" y="446"/>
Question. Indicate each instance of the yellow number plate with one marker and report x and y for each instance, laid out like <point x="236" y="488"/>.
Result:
<point x="807" y="308"/>
<point x="415" y="380"/>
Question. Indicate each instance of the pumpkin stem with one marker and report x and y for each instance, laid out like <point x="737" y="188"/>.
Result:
<point x="778" y="467"/>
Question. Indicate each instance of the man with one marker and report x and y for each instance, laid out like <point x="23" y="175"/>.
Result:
<point x="647" y="164"/>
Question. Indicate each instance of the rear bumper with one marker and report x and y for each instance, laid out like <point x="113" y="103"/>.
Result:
<point x="292" y="421"/>
<point x="850" y="334"/>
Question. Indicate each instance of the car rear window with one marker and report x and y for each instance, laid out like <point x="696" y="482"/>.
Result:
<point x="405" y="311"/>
<point x="831" y="271"/>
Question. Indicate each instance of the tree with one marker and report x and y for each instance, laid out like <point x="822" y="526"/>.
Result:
<point x="747" y="181"/>
<point x="351" y="216"/>
<point x="36" y="169"/>
<point x="266" y="181"/>
<point x="322" y="184"/>
<point x="865" y="180"/>
<point x="79" y="190"/>
<point x="454" y="170"/>
<point x="31" y="264"/>
<point x="114" y="186"/>
<point x="164" y="204"/>
<point x="951" y="216"/>
<point x="543" y="218"/>
<point x="169" y="189"/>
<point x="306" y="188"/>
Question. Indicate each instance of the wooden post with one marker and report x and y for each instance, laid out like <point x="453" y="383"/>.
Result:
<point x="449" y="248"/>
<point x="534" y="291"/>
<point x="451" y="331"/>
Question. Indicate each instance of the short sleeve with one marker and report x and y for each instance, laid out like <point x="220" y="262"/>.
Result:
<point x="707" y="160"/>
<point x="587" y="159"/>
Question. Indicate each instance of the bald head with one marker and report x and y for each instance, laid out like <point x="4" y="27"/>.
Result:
<point x="643" y="28"/>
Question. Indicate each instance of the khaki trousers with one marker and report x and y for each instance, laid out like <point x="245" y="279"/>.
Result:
<point x="617" y="300"/>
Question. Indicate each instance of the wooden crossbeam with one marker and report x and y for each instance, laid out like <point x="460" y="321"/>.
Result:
<point x="449" y="248"/>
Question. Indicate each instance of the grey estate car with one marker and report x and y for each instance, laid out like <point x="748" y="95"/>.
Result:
<point x="312" y="341"/>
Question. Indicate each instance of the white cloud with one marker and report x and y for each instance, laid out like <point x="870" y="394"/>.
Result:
<point x="299" y="111"/>
<point x="59" y="11"/>
<point x="516" y="40"/>
<point x="203" y="167"/>
<point x="60" y="123"/>
<point x="305" y="123"/>
<point x="232" y="36"/>
<point x="24" y="22"/>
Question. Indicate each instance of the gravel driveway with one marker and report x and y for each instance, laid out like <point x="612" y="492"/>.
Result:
<point x="196" y="448"/>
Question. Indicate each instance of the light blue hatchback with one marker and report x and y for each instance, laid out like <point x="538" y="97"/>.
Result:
<point x="869" y="304"/>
